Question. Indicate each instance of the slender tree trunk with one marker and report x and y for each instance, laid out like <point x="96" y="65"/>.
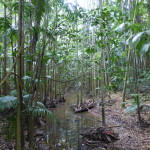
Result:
<point x="19" y="140"/>
<point x="103" y="75"/>
<point x="125" y="80"/>
<point x="136" y="87"/>
<point x="12" y="48"/>
<point x="5" y="57"/>
<point x="77" y="59"/>
<point x="148" y="8"/>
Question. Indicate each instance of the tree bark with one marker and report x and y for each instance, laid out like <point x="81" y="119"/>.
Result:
<point x="5" y="57"/>
<point x="148" y="8"/>
<point x="19" y="135"/>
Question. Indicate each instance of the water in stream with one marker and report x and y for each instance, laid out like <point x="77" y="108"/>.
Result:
<point x="66" y="135"/>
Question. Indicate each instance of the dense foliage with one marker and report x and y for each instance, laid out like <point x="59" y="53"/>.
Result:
<point x="48" y="46"/>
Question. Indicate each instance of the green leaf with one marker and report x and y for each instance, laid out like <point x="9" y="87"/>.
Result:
<point x="136" y="27"/>
<point x="43" y="112"/>
<point x="7" y="102"/>
<point x="141" y="42"/>
<point x="26" y="78"/>
<point x="145" y="48"/>
<point x="90" y="50"/>
<point x="39" y="110"/>
<point x="120" y="28"/>
<point x="4" y="23"/>
<point x="129" y="40"/>
<point x="137" y="38"/>
<point x="40" y="104"/>
<point x="27" y="97"/>
<point x="13" y="93"/>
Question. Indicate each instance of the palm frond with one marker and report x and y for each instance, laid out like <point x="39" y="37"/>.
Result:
<point x="40" y="104"/>
<point x="13" y="93"/>
<point x="140" y="41"/>
<point x="27" y="97"/>
<point x="43" y="112"/>
<point x="40" y="8"/>
<point x="7" y="102"/>
<point x="145" y="48"/>
<point x="137" y="38"/>
<point x="140" y="35"/>
<point x="39" y="110"/>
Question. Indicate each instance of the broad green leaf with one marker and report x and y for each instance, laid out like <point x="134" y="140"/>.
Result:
<point x="7" y="102"/>
<point x="129" y="40"/>
<point x="120" y="28"/>
<point x="137" y="38"/>
<point x="136" y="27"/>
<point x="141" y="42"/>
<point x="140" y="45"/>
<point x="145" y="48"/>
<point x="40" y="104"/>
<point x="13" y="93"/>
<point x="43" y="112"/>
<point x="26" y="78"/>
<point x="90" y="50"/>
<point x="27" y="97"/>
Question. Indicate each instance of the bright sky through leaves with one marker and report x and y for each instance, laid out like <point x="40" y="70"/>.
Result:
<point x="80" y="2"/>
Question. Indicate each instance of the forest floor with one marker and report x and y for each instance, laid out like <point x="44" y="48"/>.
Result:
<point x="132" y="135"/>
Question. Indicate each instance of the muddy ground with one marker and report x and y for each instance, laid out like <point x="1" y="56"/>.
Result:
<point x="132" y="135"/>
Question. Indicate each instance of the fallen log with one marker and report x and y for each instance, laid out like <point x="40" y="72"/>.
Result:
<point x="95" y="143"/>
<point x="88" y="104"/>
<point x="101" y="135"/>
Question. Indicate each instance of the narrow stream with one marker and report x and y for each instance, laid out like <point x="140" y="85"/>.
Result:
<point x="66" y="135"/>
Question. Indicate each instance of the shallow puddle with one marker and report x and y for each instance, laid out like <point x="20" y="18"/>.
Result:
<point x="67" y="135"/>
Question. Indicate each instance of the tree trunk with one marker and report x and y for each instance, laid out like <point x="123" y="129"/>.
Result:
<point x="19" y="138"/>
<point x="5" y="57"/>
<point x="148" y="8"/>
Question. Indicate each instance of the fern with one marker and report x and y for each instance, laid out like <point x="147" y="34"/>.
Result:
<point x="7" y="102"/>
<point x="39" y="104"/>
<point x="43" y="112"/>
<point x="27" y="97"/>
<point x="39" y="110"/>
<point x="13" y="93"/>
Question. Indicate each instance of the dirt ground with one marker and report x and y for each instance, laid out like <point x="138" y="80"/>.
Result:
<point x="132" y="135"/>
